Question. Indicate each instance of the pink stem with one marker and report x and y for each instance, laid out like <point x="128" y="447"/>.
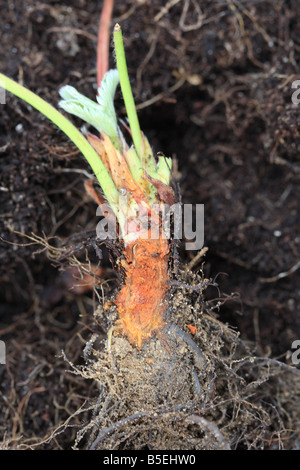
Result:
<point x="103" y="40"/>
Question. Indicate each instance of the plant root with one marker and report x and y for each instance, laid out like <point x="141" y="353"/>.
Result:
<point x="179" y="392"/>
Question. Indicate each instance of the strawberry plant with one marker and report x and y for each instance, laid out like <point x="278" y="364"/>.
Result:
<point x="135" y="185"/>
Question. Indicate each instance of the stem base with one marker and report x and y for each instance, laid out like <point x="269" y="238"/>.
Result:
<point x="141" y="299"/>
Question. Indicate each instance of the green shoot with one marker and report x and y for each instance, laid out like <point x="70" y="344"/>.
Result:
<point x="126" y="90"/>
<point x="164" y="166"/>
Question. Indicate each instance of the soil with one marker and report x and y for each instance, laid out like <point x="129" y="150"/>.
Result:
<point x="213" y="85"/>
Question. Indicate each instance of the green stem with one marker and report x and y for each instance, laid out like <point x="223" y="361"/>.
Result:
<point x="126" y="89"/>
<point x="107" y="184"/>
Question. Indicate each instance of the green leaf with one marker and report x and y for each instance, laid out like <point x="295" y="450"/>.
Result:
<point x="107" y="91"/>
<point x="100" y="115"/>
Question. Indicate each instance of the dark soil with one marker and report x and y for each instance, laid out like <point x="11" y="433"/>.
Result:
<point x="213" y="84"/>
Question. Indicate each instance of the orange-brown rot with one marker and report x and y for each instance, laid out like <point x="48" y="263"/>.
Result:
<point x="141" y="300"/>
<point x="192" y="329"/>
